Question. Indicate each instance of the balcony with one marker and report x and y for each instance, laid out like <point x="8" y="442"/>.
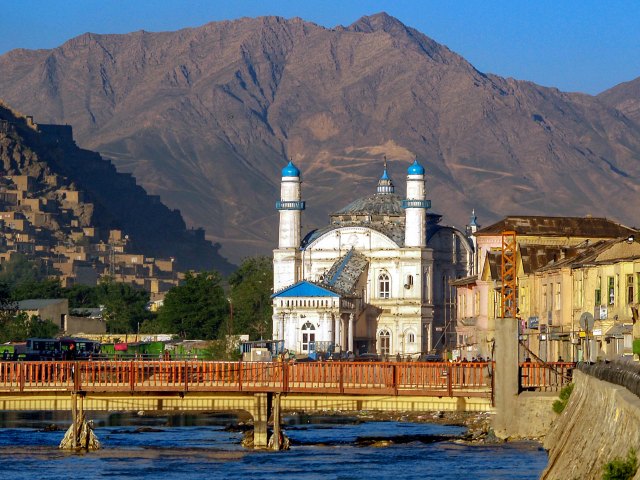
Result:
<point x="416" y="203"/>
<point x="468" y="321"/>
<point x="289" y="205"/>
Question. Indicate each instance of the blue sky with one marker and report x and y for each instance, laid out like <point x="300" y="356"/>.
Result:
<point x="585" y="46"/>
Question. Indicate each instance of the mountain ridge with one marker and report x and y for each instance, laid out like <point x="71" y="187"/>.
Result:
<point x="203" y="115"/>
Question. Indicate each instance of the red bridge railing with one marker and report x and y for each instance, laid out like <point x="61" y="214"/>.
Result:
<point x="412" y="378"/>
<point x="549" y="377"/>
<point x="366" y="378"/>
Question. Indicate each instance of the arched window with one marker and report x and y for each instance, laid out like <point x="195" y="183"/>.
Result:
<point x="411" y="337"/>
<point x="308" y="335"/>
<point x="384" y="285"/>
<point x="385" y="342"/>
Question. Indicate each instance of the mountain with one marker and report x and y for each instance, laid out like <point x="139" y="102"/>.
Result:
<point x="205" y="118"/>
<point x="625" y="97"/>
<point x="105" y="198"/>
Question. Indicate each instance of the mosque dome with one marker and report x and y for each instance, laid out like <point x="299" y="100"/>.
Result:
<point x="290" y="170"/>
<point x="416" y="169"/>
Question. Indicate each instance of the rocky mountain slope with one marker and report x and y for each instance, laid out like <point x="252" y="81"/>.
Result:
<point x="112" y="200"/>
<point x="625" y="97"/>
<point x="205" y="117"/>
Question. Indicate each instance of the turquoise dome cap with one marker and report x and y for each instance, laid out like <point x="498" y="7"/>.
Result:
<point x="290" y="170"/>
<point x="415" y="168"/>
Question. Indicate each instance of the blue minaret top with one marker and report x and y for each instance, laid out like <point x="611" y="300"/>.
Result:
<point x="385" y="185"/>
<point x="290" y="170"/>
<point x="416" y="168"/>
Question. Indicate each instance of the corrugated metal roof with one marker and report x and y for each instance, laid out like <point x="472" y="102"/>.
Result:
<point x="593" y="227"/>
<point x="344" y="274"/>
<point x="534" y="257"/>
<point x="305" y="288"/>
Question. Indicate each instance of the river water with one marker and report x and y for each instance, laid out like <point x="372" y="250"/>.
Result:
<point x="196" y="448"/>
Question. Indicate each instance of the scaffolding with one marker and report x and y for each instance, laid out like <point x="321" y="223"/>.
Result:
<point x="508" y="275"/>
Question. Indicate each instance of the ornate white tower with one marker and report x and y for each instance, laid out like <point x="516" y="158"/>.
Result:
<point x="290" y="205"/>
<point x="416" y="205"/>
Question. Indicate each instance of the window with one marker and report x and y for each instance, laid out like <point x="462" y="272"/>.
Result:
<point x="384" y="285"/>
<point x="308" y="335"/>
<point x="598" y="292"/>
<point x="558" y="297"/>
<point x="385" y="342"/>
<point x="544" y="298"/>
<point x="411" y="337"/>
<point x="629" y="288"/>
<point x="611" y="290"/>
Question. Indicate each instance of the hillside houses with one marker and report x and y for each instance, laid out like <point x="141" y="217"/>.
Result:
<point x="48" y="220"/>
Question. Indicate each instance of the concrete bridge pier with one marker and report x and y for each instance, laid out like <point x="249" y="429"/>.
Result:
<point x="260" y="413"/>
<point x="506" y="376"/>
<point x="80" y="434"/>
<point x="266" y="406"/>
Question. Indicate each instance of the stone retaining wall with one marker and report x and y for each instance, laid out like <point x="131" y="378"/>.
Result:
<point x="601" y="422"/>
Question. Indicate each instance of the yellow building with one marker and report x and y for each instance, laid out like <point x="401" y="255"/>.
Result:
<point x="599" y="282"/>
<point x="540" y="241"/>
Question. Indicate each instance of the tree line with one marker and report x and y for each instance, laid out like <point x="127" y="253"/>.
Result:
<point x="204" y="306"/>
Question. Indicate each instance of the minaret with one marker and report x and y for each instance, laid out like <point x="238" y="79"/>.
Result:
<point x="472" y="228"/>
<point x="290" y="205"/>
<point x="416" y="205"/>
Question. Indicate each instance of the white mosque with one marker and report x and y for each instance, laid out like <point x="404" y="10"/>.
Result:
<point x="375" y="280"/>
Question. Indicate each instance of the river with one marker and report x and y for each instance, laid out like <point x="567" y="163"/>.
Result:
<point x="202" y="448"/>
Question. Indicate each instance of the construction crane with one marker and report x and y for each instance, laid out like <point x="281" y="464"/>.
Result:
<point x="508" y="275"/>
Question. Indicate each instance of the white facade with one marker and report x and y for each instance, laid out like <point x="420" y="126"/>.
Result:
<point x="364" y="283"/>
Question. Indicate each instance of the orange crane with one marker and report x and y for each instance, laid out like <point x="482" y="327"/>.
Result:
<point x="508" y="275"/>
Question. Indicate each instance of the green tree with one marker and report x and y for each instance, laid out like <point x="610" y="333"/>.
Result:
<point x="20" y="270"/>
<point x="19" y="326"/>
<point x="194" y="309"/>
<point x="251" y="297"/>
<point x="124" y="306"/>
<point x="82" y="296"/>
<point x="49" y="288"/>
<point x="42" y="328"/>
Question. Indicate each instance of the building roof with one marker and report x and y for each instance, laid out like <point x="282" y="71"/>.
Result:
<point x="619" y="331"/>
<point x="535" y="257"/>
<point x="375" y="204"/>
<point x="344" y="274"/>
<point x="38" y="303"/>
<point x="593" y="227"/>
<point x="600" y="253"/>
<point x="305" y="288"/>
<point x="464" y="281"/>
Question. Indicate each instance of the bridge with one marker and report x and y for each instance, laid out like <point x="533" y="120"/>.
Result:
<point x="262" y="389"/>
